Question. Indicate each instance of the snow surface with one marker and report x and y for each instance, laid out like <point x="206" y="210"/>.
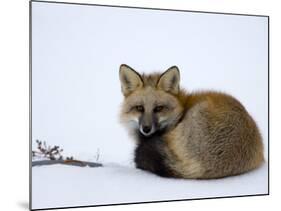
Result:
<point x="66" y="186"/>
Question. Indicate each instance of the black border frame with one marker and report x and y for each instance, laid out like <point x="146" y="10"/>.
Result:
<point x="131" y="7"/>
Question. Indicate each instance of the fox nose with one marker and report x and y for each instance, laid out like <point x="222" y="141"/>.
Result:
<point x="146" y="129"/>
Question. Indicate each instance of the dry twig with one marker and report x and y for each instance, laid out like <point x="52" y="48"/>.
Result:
<point x="53" y="155"/>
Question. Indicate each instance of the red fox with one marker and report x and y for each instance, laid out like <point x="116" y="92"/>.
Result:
<point x="200" y="135"/>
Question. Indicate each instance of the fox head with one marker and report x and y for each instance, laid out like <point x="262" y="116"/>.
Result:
<point x="151" y="102"/>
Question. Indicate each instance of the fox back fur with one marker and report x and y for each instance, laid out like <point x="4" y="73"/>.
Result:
<point x="199" y="135"/>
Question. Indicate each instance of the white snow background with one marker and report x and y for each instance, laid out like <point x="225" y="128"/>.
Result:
<point x="76" y="96"/>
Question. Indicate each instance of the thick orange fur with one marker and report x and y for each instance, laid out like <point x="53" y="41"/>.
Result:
<point x="206" y="134"/>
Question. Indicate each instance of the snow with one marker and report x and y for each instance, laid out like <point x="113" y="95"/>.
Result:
<point x="76" y="95"/>
<point x="67" y="186"/>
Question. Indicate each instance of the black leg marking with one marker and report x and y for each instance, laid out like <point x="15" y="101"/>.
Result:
<point x="149" y="155"/>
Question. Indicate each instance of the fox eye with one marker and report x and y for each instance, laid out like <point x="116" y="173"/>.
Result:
<point x="140" y="108"/>
<point x="158" y="108"/>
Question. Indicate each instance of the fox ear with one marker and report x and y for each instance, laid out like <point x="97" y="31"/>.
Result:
<point x="169" y="80"/>
<point x="130" y="79"/>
